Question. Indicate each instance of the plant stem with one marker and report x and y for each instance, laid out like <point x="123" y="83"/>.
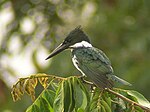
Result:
<point x="128" y="100"/>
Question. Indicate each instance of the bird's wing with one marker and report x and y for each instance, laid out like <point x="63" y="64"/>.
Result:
<point x="97" y="75"/>
<point x="102" y="56"/>
<point x="99" y="61"/>
<point x="97" y="67"/>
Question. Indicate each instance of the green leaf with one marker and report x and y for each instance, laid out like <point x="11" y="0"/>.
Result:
<point x="45" y="101"/>
<point x="107" y="99"/>
<point x="139" y="109"/>
<point x="80" y="110"/>
<point x="106" y="106"/>
<point x="94" y="99"/>
<point x="72" y="103"/>
<point x="79" y="95"/>
<point x="69" y="102"/>
<point x="44" y="105"/>
<point x="59" y="99"/>
<point x="84" y="101"/>
<point x="103" y="109"/>
<point x="33" y="108"/>
<point x="139" y="97"/>
<point x="49" y="96"/>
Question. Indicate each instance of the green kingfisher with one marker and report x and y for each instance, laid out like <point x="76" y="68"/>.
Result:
<point x="90" y="61"/>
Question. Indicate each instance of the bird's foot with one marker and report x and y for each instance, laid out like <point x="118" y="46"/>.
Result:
<point x="85" y="81"/>
<point x="92" y="85"/>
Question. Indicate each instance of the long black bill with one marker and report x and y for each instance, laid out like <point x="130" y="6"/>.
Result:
<point x="59" y="49"/>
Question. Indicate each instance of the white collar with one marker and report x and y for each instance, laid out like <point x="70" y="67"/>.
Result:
<point x="81" y="44"/>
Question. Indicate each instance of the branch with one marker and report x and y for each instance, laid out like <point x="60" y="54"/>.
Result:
<point x="128" y="100"/>
<point x="120" y="96"/>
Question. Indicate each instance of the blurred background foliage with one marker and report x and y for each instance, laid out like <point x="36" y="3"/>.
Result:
<point x="31" y="29"/>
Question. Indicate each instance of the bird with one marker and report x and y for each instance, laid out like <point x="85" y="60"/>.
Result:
<point x="90" y="61"/>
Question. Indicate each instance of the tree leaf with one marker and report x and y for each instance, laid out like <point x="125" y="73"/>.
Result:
<point x="59" y="99"/>
<point x="44" y="102"/>
<point x="68" y="99"/>
<point x="79" y="95"/>
<point x="80" y="110"/>
<point x="107" y="98"/>
<point x="71" y="89"/>
<point x="103" y="109"/>
<point x="139" y="97"/>
<point x="106" y="106"/>
<point x="33" y="108"/>
<point x="44" y="105"/>
<point x="49" y="96"/>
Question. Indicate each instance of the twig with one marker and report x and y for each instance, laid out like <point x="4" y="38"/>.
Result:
<point x="128" y="100"/>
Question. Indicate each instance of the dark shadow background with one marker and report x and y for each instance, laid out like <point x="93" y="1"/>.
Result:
<point x="31" y="29"/>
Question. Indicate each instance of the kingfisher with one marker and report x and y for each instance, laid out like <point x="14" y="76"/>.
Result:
<point x="90" y="61"/>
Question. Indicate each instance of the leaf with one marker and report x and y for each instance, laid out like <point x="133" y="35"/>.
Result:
<point x="70" y="95"/>
<point x="139" y="97"/>
<point x="80" y="110"/>
<point x="33" y="82"/>
<point x="49" y="96"/>
<point x="103" y="109"/>
<point x="15" y="94"/>
<point x="139" y="109"/>
<point x="21" y="86"/>
<point x="33" y="108"/>
<point x="43" y="81"/>
<point x="21" y="89"/>
<point x="84" y="102"/>
<point x="59" y="99"/>
<point x="79" y="95"/>
<point x="44" y="103"/>
<point x="94" y="99"/>
<point x="29" y="88"/>
<point x="86" y="92"/>
<point x="106" y="106"/>
<point x="107" y="99"/>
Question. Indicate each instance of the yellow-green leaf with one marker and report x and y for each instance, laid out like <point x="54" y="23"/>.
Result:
<point x="139" y="97"/>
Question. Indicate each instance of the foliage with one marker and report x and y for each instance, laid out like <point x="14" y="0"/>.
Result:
<point x="72" y="95"/>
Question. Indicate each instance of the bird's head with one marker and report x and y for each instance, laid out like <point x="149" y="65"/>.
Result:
<point x="76" y="38"/>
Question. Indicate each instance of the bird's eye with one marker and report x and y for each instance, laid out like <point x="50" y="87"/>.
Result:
<point x="66" y="41"/>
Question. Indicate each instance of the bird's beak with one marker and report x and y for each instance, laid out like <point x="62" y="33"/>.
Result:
<point x="59" y="49"/>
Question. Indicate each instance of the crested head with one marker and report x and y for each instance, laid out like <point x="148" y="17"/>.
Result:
<point x="75" y="36"/>
<point x="75" y="39"/>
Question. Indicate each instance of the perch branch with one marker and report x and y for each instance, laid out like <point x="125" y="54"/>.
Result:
<point x="121" y="96"/>
<point x="128" y="100"/>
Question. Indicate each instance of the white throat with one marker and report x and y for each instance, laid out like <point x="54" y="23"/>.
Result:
<point x="81" y="44"/>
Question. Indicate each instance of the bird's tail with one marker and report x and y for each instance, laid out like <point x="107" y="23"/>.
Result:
<point x="119" y="80"/>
